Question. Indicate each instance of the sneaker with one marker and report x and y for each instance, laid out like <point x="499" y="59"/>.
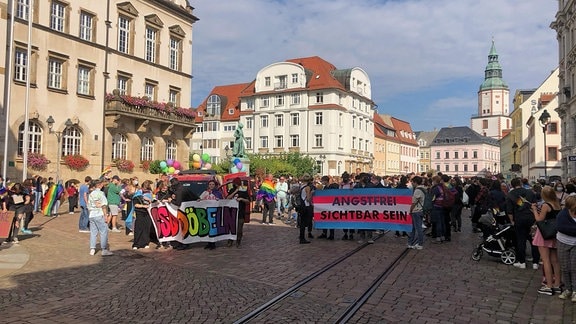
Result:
<point x="27" y="231"/>
<point x="134" y="248"/>
<point x="556" y="290"/>
<point x="15" y="241"/>
<point x="115" y="230"/>
<point x="410" y="246"/>
<point x="565" y="294"/>
<point x="370" y="241"/>
<point x="92" y="251"/>
<point x="545" y="291"/>
<point x="264" y="223"/>
<point x="147" y="247"/>
<point x="418" y="246"/>
<point x="131" y="234"/>
<point x="84" y="231"/>
<point x="535" y="266"/>
<point x="271" y="223"/>
<point x="520" y="265"/>
<point x="106" y="252"/>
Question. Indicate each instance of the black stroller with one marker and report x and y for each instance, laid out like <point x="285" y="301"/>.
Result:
<point x="498" y="239"/>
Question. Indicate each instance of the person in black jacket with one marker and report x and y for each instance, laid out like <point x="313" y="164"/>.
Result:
<point x="566" y="244"/>
<point x="518" y="207"/>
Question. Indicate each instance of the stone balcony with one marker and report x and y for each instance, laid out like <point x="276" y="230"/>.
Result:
<point x="118" y="112"/>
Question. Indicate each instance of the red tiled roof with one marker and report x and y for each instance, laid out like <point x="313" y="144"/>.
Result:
<point x="322" y="77"/>
<point x="403" y="127"/>
<point x="230" y="96"/>
<point x="379" y="123"/>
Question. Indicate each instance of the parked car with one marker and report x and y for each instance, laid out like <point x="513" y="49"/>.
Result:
<point x="194" y="182"/>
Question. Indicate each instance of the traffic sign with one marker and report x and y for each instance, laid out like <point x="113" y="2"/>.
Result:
<point x="572" y="158"/>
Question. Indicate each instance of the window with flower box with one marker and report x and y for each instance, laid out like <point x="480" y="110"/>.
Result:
<point x="34" y="138"/>
<point x="71" y="141"/>
<point x="119" y="146"/>
<point x="147" y="149"/>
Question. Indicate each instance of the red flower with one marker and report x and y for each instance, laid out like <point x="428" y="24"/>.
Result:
<point x="124" y="165"/>
<point x="145" y="102"/>
<point x="76" y="162"/>
<point x="37" y="161"/>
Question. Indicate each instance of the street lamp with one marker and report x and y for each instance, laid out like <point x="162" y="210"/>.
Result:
<point x="50" y="121"/>
<point x="544" y="122"/>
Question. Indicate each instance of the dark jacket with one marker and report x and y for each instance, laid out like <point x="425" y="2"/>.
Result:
<point x="519" y="203"/>
<point x="565" y="223"/>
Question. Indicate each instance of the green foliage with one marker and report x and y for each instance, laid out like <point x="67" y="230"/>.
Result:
<point x="295" y="164"/>
<point x="155" y="167"/>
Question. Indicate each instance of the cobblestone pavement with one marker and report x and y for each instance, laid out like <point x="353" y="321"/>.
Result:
<point x="50" y="278"/>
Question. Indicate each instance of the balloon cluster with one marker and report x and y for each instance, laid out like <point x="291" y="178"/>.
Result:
<point x="238" y="166"/>
<point x="201" y="161"/>
<point x="170" y="166"/>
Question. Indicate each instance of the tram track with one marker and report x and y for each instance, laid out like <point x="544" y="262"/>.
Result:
<point x="332" y="270"/>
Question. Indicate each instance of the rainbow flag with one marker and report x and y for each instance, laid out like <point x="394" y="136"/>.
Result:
<point x="50" y="197"/>
<point x="266" y="191"/>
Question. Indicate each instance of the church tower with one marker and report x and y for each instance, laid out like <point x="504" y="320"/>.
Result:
<point x="493" y="101"/>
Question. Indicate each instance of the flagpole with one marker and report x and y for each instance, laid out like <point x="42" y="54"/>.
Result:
<point x="25" y="137"/>
<point x="8" y="87"/>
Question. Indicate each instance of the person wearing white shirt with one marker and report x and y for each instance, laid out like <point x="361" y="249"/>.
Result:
<point x="281" y="195"/>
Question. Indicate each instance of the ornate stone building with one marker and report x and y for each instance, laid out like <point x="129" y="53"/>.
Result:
<point x="102" y="79"/>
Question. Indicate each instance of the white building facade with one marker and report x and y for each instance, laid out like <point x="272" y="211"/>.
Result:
<point x="306" y="105"/>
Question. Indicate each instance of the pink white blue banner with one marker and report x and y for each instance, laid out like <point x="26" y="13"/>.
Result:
<point x="195" y="221"/>
<point x="363" y="208"/>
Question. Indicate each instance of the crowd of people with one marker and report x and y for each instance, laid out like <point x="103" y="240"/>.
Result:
<point x="436" y="211"/>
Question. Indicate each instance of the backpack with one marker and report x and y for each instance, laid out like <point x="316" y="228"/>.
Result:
<point x="298" y="202"/>
<point x="449" y="197"/>
<point x="428" y="200"/>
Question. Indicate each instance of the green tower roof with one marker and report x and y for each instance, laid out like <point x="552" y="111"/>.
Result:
<point x="493" y="72"/>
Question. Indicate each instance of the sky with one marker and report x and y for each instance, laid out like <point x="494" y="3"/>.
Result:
<point x="425" y="58"/>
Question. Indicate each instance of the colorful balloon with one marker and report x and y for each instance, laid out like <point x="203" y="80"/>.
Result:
<point x="239" y="165"/>
<point x="163" y="164"/>
<point x="196" y="164"/>
<point x="196" y="157"/>
<point x="176" y="165"/>
<point x="208" y="166"/>
<point x="205" y="157"/>
<point x="236" y="161"/>
<point x="170" y="162"/>
<point x="171" y="169"/>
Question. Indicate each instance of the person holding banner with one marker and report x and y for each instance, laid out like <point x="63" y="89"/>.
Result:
<point x="416" y="237"/>
<point x="142" y="223"/>
<point x="307" y="213"/>
<point x="241" y="195"/>
<point x="212" y="193"/>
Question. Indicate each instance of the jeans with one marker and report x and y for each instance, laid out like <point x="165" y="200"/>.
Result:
<point x="98" y="225"/>
<point x="83" y="221"/>
<point x="437" y="219"/>
<point x="417" y="234"/>
<point x="522" y="229"/>
<point x="281" y="203"/>
<point x="37" y="201"/>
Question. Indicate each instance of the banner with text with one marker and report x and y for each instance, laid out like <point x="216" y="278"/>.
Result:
<point x="363" y="208"/>
<point x="195" y="221"/>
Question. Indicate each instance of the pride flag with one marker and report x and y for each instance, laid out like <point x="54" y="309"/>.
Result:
<point x="50" y="197"/>
<point x="266" y="191"/>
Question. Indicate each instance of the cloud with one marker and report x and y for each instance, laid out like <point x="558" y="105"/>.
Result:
<point x="406" y="47"/>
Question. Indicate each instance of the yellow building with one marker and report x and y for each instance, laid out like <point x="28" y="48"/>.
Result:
<point x="100" y="79"/>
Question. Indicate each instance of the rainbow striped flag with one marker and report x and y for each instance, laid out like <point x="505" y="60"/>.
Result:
<point x="50" y="197"/>
<point x="266" y="191"/>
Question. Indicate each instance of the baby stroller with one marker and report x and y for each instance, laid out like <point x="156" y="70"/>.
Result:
<point x="498" y="240"/>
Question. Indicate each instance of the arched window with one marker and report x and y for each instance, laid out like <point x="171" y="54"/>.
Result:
<point x="147" y="149"/>
<point x="119" y="146"/>
<point x="34" y="138"/>
<point x="71" y="141"/>
<point x="213" y="105"/>
<point x="170" y="150"/>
